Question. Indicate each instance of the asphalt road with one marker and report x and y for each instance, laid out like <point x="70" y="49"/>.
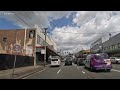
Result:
<point x="75" y="72"/>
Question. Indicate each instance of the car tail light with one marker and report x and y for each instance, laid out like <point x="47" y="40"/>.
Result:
<point x="108" y="60"/>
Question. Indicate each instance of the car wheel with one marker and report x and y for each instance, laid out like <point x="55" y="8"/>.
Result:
<point x="116" y="61"/>
<point x="91" y="68"/>
<point x="108" y="70"/>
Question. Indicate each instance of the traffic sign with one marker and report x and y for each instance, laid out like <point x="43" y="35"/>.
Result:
<point x="43" y="51"/>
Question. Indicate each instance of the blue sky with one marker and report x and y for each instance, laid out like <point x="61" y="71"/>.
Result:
<point x="62" y="22"/>
<point x="7" y="24"/>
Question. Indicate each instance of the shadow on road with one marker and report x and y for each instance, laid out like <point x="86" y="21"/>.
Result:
<point x="53" y="66"/>
<point x="116" y="63"/>
<point x="96" y="71"/>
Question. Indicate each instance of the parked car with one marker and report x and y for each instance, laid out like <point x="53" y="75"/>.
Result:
<point x="63" y="60"/>
<point x="97" y="62"/>
<point x="55" y="62"/>
<point x="75" y="60"/>
<point x="68" y="61"/>
<point x="80" y="61"/>
<point x="115" y="59"/>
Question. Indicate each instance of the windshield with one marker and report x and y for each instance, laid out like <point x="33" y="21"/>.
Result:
<point x="104" y="55"/>
<point x="98" y="57"/>
<point x="54" y="60"/>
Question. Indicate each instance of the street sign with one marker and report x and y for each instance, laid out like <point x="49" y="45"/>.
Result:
<point x="17" y="48"/>
<point x="43" y="51"/>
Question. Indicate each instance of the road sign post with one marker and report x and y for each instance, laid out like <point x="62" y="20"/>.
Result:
<point x="16" y="48"/>
<point x="14" y="67"/>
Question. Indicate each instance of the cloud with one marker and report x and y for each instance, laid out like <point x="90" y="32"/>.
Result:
<point x="30" y="18"/>
<point x="90" y="27"/>
<point x="70" y="38"/>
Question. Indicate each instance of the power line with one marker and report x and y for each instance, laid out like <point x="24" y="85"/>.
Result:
<point x="88" y="33"/>
<point x="21" y="19"/>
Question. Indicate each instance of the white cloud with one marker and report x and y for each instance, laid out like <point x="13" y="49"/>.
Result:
<point x="91" y="26"/>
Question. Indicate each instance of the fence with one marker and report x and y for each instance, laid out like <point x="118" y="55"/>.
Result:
<point x="7" y="61"/>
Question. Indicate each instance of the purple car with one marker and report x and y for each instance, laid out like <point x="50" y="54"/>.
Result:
<point x="97" y="62"/>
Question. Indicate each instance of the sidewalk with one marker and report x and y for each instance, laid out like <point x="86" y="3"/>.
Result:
<point x="18" y="72"/>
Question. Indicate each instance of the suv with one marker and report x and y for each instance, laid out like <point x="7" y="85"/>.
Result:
<point x="68" y="61"/>
<point x="55" y="62"/>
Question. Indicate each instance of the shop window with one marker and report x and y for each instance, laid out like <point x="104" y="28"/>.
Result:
<point x="118" y="45"/>
<point x="32" y="34"/>
<point x="4" y="39"/>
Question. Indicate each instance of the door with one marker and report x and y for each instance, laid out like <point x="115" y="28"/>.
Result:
<point x="113" y="60"/>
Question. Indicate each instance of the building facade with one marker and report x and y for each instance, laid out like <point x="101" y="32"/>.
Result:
<point x="96" y="46"/>
<point x="26" y="42"/>
<point x="111" y="46"/>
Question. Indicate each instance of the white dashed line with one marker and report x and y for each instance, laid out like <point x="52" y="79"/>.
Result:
<point x="58" y="71"/>
<point x="115" y="70"/>
<point x="74" y="64"/>
<point x="83" y="72"/>
<point x="77" y="67"/>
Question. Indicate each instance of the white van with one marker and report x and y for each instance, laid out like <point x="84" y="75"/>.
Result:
<point x="55" y="62"/>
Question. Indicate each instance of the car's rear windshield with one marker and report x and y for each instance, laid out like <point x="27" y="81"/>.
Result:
<point x="98" y="57"/>
<point x="54" y="60"/>
<point x="105" y="56"/>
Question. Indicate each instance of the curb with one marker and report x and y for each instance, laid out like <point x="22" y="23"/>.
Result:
<point x="28" y="74"/>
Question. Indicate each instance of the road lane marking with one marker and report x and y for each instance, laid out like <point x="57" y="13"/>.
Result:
<point x="74" y="64"/>
<point x="115" y="70"/>
<point x="77" y="67"/>
<point x="83" y="72"/>
<point x="58" y="71"/>
<point x="32" y="74"/>
<point x="63" y="64"/>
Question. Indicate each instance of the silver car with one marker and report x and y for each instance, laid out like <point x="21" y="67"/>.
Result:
<point x="115" y="59"/>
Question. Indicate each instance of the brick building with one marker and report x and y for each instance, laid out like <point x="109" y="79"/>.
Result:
<point x="26" y="43"/>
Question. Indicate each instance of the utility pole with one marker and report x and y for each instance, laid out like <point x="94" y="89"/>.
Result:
<point x="45" y="46"/>
<point x="14" y="64"/>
